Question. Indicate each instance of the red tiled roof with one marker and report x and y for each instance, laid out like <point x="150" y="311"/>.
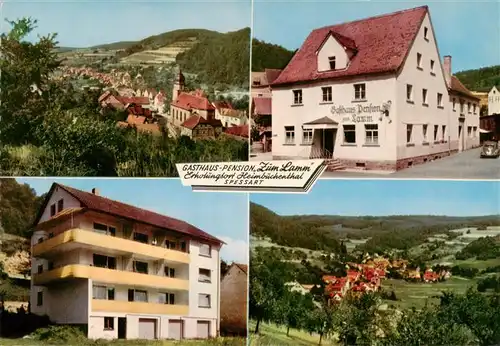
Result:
<point x="243" y="267"/>
<point x="119" y="209"/>
<point x="262" y="105"/>
<point x="223" y="104"/>
<point x="271" y="74"/>
<point x="193" y="121"/>
<point x="139" y="110"/>
<point x="240" y="131"/>
<point x="458" y="87"/>
<point x="187" y="101"/>
<point x="136" y="100"/>
<point x="382" y="44"/>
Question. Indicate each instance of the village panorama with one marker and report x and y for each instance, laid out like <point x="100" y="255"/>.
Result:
<point x="131" y="108"/>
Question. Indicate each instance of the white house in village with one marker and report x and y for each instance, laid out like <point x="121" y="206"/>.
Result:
<point x="371" y="94"/>
<point x="120" y="272"/>
<point x="494" y="101"/>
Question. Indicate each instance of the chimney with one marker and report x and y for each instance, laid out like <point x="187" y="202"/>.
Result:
<point x="95" y="191"/>
<point x="447" y="69"/>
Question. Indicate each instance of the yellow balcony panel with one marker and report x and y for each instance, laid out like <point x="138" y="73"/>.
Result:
<point x="118" y="245"/>
<point x="138" y="307"/>
<point x="109" y="276"/>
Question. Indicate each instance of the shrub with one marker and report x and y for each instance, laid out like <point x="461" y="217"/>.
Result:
<point x="61" y="335"/>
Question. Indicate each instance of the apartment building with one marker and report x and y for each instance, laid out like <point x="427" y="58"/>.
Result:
<point x="123" y="272"/>
<point x="372" y="94"/>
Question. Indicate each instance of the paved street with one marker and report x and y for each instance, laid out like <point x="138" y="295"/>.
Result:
<point x="464" y="165"/>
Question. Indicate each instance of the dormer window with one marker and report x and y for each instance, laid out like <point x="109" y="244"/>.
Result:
<point x="426" y="33"/>
<point x="331" y="61"/>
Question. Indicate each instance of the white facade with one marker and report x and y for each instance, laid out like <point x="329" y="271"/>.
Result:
<point x="372" y="121"/>
<point x="70" y="301"/>
<point x="494" y="101"/>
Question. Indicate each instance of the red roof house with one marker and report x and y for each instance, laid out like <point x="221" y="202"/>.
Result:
<point x="377" y="45"/>
<point x="193" y="101"/>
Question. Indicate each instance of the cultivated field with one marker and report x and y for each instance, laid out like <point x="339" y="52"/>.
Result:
<point x="162" y="55"/>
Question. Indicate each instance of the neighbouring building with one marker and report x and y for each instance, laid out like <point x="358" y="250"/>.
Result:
<point x="494" y="101"/>
<point x="231" y="117"/>
<point x="490" y="127"/>
<point x="234" y="301"/>
<point x="198" y="127"/>
<point x="238" y="132"/>
<point x="122" y="272"/>
<point x="261" y="82"/>
<point x="464" y="106"/>
<point x="371" y="94"/>
<point x="261" y="114"/>
<point x="185" y="104"/>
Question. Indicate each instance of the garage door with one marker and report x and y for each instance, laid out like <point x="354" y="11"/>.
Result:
<point x="147" y="328"/>
<point x="174" y="329"/>
<point x="203" y="329"/>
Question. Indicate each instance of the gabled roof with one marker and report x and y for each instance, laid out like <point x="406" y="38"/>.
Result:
<point x="262" y="105"/>
<point x="105" y="205"/>
<point x="137" y="100"/>
<point x="194" y="121"/>
<point x="322" y="121"/>
<point x="382" y="44"/>
<point x="458" y="87"/>
<point x="188" y="101"/>
<point x="243" y="267"/>
<point x="240" y="131"/>
<point x="266" y="78"/>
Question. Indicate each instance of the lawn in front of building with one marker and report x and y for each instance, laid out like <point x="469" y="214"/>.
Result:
<point x="272" y="335"/>
<point x="209" y="342"/>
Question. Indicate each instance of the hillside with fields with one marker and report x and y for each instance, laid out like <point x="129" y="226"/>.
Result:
<point x="389" y="269"/>
<point x="216" y="58"/>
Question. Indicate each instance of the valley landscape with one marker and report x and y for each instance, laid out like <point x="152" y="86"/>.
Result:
<point x="127" y="108"/>
<point x="366" y="279"/>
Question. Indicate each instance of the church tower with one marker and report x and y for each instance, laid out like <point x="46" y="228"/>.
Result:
<point x="178" y="85"/>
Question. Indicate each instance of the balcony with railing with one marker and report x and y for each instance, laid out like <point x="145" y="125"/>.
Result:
<point x="109" y="275"/>
<point x="126" y="244"/>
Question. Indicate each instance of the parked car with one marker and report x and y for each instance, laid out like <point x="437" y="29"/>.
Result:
<point x="490" y="149"/>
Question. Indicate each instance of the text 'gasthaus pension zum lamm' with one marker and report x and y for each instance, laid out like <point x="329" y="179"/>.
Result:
<point x="246" y="174"/>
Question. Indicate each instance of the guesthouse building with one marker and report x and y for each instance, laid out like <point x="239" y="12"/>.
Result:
<point x="371" y="94"/>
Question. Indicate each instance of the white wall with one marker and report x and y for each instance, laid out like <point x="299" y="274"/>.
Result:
<point x="332" y="48"/>
<point x="494" y="101"/>
<point x="416" y="113"/>
<point x="69" y="202"/>
<point x="195" y="287"/>
<point x="378" y="91"/>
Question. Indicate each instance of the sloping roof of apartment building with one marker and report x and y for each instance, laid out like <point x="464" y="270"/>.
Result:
<point x="380" y="44"/>
<point x="105" y="205"/>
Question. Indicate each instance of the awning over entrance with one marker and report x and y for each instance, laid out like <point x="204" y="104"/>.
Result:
<point x="484" y="131"/>
<point x="321" y="123"/>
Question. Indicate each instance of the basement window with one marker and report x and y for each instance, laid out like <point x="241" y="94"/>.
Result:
<point x="109" y="323"/>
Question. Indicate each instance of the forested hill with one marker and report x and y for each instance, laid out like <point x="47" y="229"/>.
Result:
<point x="267" y="55"/>
<point x="19" y="205"/>
<point x="220" y="58"/>
<point x="482" y="79"/>
<point x="325" y="231"/>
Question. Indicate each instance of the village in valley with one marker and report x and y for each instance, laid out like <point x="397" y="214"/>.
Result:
<point x="132" y="103"/>
<point x="189" y="113"/>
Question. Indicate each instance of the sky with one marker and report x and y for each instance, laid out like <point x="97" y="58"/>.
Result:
<point x="388" y="197"/>
<point x="85" y="23"/>
<point x="469" y="31"/>
<point x="223" y="215"/>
